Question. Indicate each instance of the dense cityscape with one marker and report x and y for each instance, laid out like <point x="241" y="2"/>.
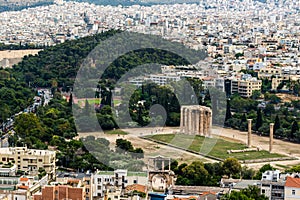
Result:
<point x="236" y="136"/>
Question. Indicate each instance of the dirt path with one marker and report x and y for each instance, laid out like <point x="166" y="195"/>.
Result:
<point x="151" y="149"/>
<point x="154" y="149"/>
<point x="279" y="146"/>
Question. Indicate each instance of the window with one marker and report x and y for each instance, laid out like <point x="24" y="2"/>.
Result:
<point x="3" y="159"/>
<point x="40" y="160"/>
<point x="263" y="191"/>
<point x="293" y="192"/>
<point x="87" y="190"/>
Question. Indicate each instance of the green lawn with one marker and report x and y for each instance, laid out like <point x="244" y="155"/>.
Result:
<point x="97" y="101"/>
<point x="216" y="147"/>
<point x="116" y="132"/>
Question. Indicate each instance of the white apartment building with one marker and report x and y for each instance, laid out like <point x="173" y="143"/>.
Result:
<point x="271" y="175"/>
<point x="119" y="178"/>
<point x="159" y="79"/>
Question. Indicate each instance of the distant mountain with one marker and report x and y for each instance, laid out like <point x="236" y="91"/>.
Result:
<point x="14" y="5"/>
<point x="135" y="2"/>
<point x="142" y="2"/>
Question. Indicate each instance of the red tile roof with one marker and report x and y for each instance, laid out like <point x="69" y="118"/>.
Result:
<point x="23" y="187"/>
<point x="292" y="182"/>
<point x="182" y="198"/>
<point x="206" y="193"/>
<point x="24" y="179"/>
<point x="137" y="187"/>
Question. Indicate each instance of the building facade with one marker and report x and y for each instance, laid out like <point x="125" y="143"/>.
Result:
<point x="30" y="160"/>
<point x="292" y="188"/>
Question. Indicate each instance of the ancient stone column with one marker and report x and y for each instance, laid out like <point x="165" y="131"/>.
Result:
<point x="205" y="123"/>
<point x="197" y="132"/>
<point x="209" y="124"/>
<point x="185" y="120"/>
<point x="193" y="122"/>
<point x="249" y="142"/>
<point x="201" y="122"/>
<point x="181" y="119"/>
<point x="271" y="137"/>
<point x="190" y="121"/>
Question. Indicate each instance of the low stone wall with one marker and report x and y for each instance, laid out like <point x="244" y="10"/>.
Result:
<point x="243" y="150"/>
<point x="268" y="160"/>
<point x="219" y="159"/>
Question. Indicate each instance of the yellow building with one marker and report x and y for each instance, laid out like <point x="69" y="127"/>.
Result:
<point x="268" y="72"/>
<point x="246" y="87"/>
<point x="30" y="160"/>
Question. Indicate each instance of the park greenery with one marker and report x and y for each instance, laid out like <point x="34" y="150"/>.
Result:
<point x="53" y="126"/>
<point x="14" y="95"/>
<point x="250" y="193"/>
<point x="198" y="144"/>
<point x="269" y="108"/>
<point x="209" y="174"/>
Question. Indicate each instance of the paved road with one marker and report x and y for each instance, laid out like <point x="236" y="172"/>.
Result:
<point x="7" y="127"/>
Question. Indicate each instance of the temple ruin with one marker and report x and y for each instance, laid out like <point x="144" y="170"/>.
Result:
<point x="196" y="120"/>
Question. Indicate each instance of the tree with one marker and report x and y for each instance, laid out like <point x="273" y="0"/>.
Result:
<point x="123" y="145"/>
<point x="193" y="174"/>
<point x="259" y="120"/>
<point x="231" y="167"/>
<point x="276" y="124"/>
<point x="25" y="124"/>
<point x="87" y="108"/>
<point x="228" y="112"/>
<point x="269" y="109"/>
<point x="247" y="173"/>
<point x="244" y="124"/>
<point x="250" y="193"/>
<point x="238" y="55"/>
<point x="294" y="129"/>
<point x="256" y="94"/>
<point x="70" y="100"/>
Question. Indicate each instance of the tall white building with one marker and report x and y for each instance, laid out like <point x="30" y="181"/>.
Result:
<point x="119" y="178"/>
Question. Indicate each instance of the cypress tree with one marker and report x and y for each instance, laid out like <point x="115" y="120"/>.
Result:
<point x="228" y="112"/>
<point x="276" y="124"/>
<point x="244" y="118"/>
<point x="70" y="100"/>
<point x="259" y="120"/>
<point x="294" y="129"/>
